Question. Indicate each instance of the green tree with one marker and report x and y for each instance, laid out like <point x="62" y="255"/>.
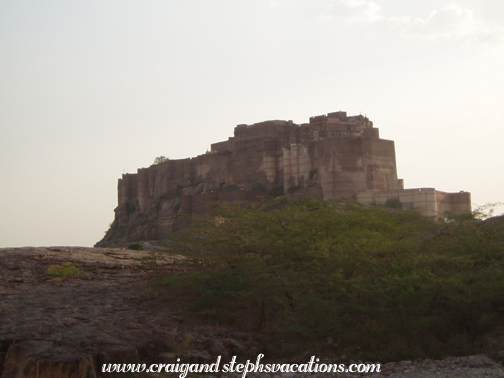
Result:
<point x="393" y="203"/>
<point x="397" y="285"/>
<point x="160" y="159"/>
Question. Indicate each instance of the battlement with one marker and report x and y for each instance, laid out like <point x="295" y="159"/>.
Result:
<point x="262" y="134"/>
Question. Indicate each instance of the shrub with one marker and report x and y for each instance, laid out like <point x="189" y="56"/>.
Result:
<point x="160" y="159"/>
<point x="277" y="191"/>
<point x="393" y="203"/>
<point x="66" y="271"/>
<point x="392" y="284"/>
<point x="136" y="246"/>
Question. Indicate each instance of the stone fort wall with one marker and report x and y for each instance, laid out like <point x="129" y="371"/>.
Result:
<point x="333" y="156"/>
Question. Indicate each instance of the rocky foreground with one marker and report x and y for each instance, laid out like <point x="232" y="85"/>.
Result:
<point x="67" y="311"/>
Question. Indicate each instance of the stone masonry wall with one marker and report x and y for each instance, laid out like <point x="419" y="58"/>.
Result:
<point x="334" y="156"/>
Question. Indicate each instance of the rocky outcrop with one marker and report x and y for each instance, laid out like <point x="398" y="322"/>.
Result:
<point x="88" y="313"/>
<point x="67" y="326"/>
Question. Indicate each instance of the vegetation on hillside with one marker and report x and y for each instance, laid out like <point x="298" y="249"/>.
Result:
<point x="160" y="159"/>
<point x="387" y="284"/>
<point x="66" y="271"/>
<point x="136" y="246"/>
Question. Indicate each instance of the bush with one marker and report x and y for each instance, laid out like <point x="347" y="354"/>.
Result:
<point x="136" y="246"/>
<point x="393" y="203"/>
<point x="160" y="159"/>
<point x="65" y="271"/>
<point x="393" y="285"/>
<point x="277" y="191"/>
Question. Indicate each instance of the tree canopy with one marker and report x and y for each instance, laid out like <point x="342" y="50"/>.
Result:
<point x="160" y="159"/>
<point x="394" y="284"/>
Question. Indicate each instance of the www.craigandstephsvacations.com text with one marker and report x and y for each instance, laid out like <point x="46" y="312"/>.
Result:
<point x="313" y="366"/>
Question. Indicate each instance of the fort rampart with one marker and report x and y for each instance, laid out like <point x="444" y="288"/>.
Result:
<point x="333" y="157"/>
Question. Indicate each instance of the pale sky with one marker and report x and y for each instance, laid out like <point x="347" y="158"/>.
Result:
<point x="93" y="89"/>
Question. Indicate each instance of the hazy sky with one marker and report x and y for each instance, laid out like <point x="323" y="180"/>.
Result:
<point x="90" y="90"/>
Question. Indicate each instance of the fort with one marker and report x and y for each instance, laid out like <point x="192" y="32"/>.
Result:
<point x="333" y="157"/>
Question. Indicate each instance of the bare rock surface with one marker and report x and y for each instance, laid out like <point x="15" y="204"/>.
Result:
<point x="71" y="326"/>
<point x="67" y="328"/>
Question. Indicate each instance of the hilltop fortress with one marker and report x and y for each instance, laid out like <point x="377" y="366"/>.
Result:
<point x="334" y="156"/>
